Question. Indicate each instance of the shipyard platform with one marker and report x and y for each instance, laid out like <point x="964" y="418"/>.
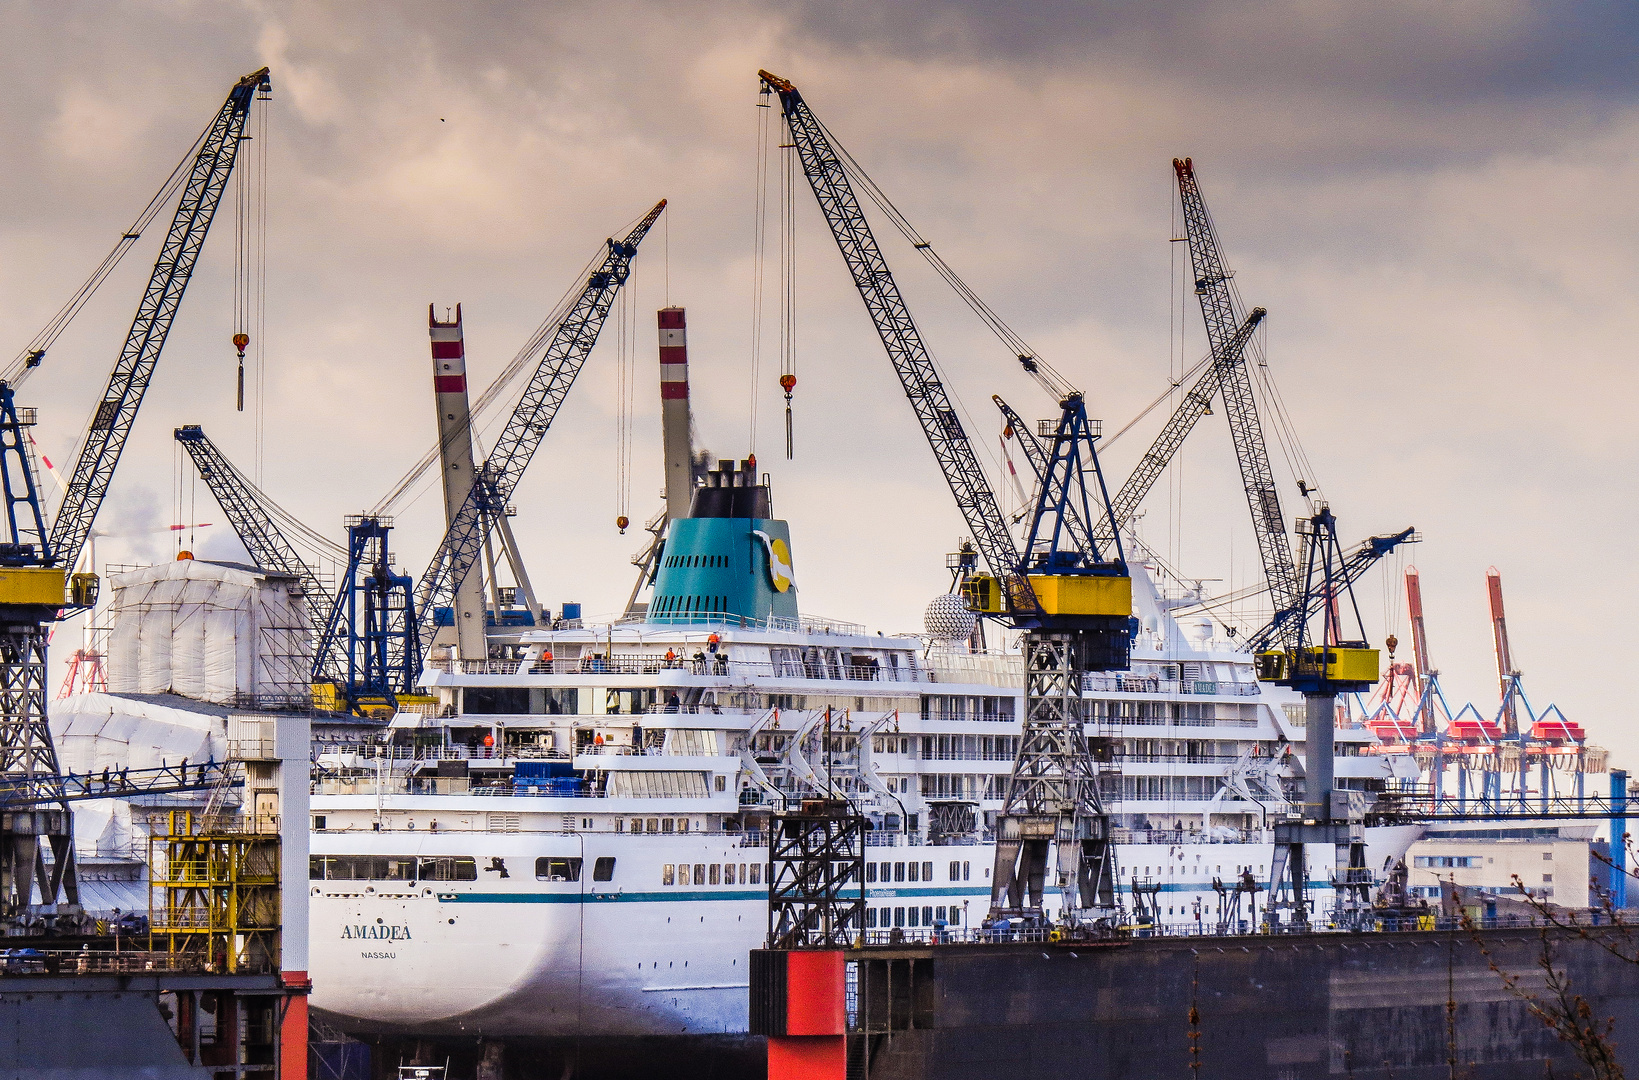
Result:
<point x="1407" y="1005"/>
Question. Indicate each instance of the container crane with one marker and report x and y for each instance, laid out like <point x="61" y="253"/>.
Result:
<point x="1073" y="602"/>
<point x="494" y="482"/>
<point x="35" y="586"/>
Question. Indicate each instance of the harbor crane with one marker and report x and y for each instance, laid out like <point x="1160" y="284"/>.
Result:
<point x="35" y="561"/>
<point x="494" y="482"/>
<point x="1071" y="598"/>
<point x="254" y="525"/>
<point x="1212" y="286"/>
<point x="1321" y="663"/>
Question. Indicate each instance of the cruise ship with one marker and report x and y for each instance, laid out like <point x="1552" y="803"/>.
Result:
<point x="572" y="843"/>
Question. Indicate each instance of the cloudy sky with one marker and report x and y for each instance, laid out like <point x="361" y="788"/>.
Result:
<point x="1433" y="201"/>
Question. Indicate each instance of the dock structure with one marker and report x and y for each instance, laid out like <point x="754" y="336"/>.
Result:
<point x="1295" y="1006"/>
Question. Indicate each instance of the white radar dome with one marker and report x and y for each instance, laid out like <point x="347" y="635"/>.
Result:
<point x="948" y="617"/>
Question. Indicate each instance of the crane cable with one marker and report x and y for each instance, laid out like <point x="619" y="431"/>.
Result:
<point x="34" y="352"/>
<point x="400" y="495"/>
<point x="998" y="326"/>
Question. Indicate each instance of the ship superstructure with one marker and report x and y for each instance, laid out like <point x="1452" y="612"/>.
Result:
<point x="575" y="844"/>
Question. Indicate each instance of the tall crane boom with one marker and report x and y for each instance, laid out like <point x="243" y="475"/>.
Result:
<point x="571" y="344"/>
<point x="1073" y="604"/>
<point x="1178" y="426"/>
<point x="254" y="525"/>
<point x="899" y="334"/>
<point x="117" y="410"/>
<point x="1212" y="279"/>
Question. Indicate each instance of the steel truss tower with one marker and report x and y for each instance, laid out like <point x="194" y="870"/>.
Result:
<point x="814" y="855"/>
<point x="1053" y="793"/>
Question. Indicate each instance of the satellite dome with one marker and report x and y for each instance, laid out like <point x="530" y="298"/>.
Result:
<point x="948" y="617"/>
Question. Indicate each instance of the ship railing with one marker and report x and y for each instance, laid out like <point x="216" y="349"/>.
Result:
<point x="77" y="962"/>
<point x="1176" y="759"/>
<point x="966" y="755"/>
<point x="1206" y="926"/>
<point x="655" y="664"/>
<point x="1219" y="835"/>
<point x="1106" y="683"/>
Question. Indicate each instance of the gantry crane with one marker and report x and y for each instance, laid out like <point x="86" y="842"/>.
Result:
<point x="35" y="561"/>
<point x="1072" y="600"/>
<point x="495" y="481"/>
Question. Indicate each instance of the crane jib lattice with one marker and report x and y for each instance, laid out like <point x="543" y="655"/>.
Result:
<point x="1212" y="285"/>
<point x="254" y="526"/>
<point x="900" y="336"/>
<point x="117" y="409"/>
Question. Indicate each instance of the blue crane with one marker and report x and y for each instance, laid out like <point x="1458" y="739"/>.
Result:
<point x="117" y="409"/>
<point x="253" y="522"/>
<point x="1072" y="598"/>
<point x="495" y="481"/>
<point x="34" y="587"/>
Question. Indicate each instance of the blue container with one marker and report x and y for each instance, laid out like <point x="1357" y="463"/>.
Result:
<point x="571" y="611"/>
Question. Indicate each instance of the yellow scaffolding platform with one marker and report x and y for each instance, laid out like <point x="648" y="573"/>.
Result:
<point x="213" y="896"/>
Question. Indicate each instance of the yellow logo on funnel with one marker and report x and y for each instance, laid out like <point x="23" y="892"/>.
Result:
<point x="779" y="561"/>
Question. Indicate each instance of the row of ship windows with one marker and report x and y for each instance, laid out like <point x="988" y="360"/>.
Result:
<point x="924" y="916"/>
<point x="712" y="874"/>
<point x="898" y="871"/>
<point x="655" y="825"/>
<point x="410" y="868"/>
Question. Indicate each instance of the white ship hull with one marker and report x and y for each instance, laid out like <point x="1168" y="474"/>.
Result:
<point x="519" y="958"/>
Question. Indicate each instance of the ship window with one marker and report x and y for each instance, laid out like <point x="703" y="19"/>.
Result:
<point x="756" y="873"/>
<point x="699" y="873"/>
<point x="899" y="916"/>
<point x="365" y="868"/>
<point x="956" y="871"/>
<point x="488" y="700"/>
<point x="666" y="825"/>
<point x="966" y="870"/>
<point x="715" y="872"/>
<point x="604" y="868"/>
<point x="927" y="872"/>
<point x="870" y="872"/>
<point x="870" y="918"/>
<point x="915" y="917"/>
<point x="667" y="875"/>
<point x="742" y="873"/>
<point x="448" y="868"/>
<point x="548" y="869"/>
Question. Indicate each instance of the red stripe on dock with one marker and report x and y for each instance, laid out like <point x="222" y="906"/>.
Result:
<point x="450" y="384"/>
<point x="672" y="390"/>
<point x="447" y="350"/>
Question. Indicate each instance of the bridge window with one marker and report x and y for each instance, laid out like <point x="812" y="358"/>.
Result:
<point x="604" y="868"/>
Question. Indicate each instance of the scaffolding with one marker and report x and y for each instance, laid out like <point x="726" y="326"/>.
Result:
<point x="213" y="895"/>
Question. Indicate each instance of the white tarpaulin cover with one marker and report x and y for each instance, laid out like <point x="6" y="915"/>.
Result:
<point x="93" y="732"/>
<point x="210" y="631"/>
